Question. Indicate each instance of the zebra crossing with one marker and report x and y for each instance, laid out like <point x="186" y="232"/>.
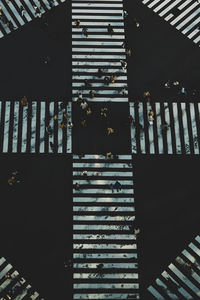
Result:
<point x="104" y="241"/>
<point x="175" y="129"/>
<point x="99" y="50"/>
<point x="35" y="128"/>
<point x="13" y="286"/>
<point x="184" y="15"/>
<point x="181" y="279"/>
<point x="21" y="12"/>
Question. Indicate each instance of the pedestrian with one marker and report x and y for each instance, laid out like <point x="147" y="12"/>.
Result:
<point x="83" y="104"/>
<point x="84" y="173"/>
<point x="87" y="83"/>
<point x="85" y="31"/>
<point x="46" y="59"/>
<point x="146" y="94"/>
<point x="52" y="146"/>
<point x="22" y="10"/>
<point x="110" y="29"/>
<point x="51" y="3"/>
<point x="164" y="127"/>
<point x="65" y="116"/>
<point x="62" y="106"/>
<point x="151" y="117"/>
<point x="77" y="23"/>
<point x="91" y="94"/>
<point x="106" y="80"/>
<point x="125" y="14"/>
<point x="128" y="52"/>
<point x="123" y="64"/>
<point x="37" y="11"/>
<point x="113" y="78"/>
<point x="100" y="72"/>
<point x="77" y="186"/>
<point x="55" y="117"/>
<point x="124" y="91"/>
<point x="88" y="111"/>
<point x="131" y="119"/>
<point x="108" y="155"/>
<point x="136" y="23"/>
<point x="70" y="125"/>
<point x="182" y="91"/>
<point x="110" y="130"/>
<point x="83" y="123"/>
<point x="11" y="180"/>
<point x="0" y="11"/>
<point x="11" y="26"/>
<point x="96" y="174"/>
<point x="24" y="101"/>
<point x="104" y="112"/>
<point x="63" y="125"/>
<point x="111" y="186"/>
<point x="118" y="186"/>
<point x="49" y="130"/>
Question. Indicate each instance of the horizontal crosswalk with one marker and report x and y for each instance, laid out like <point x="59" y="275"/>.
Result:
<point x="21" y="12"/>
<point x="13" y="285"/>
<point x="174" y="130"/>
<point x="184" y="15"/>
<point x="181" y="279"/>
<point x="35" y="128"/>
<point x="99" y="49"/>
<point x="104" y="240"/>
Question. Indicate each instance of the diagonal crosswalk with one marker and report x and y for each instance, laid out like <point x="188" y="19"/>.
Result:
<point x="175" y="129"/>
<point x="36" y="127"/>
<point x="99" y="50"/>
<point x="13" y="285"/>
<point x="184" y="15"/>
<point x="21" y="12"/>
<point x="181" y="279"/>
<point x="104" y="240"/>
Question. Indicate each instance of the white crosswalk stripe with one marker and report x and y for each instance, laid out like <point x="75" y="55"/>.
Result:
<point x="104" y="241"/>
<point x="24" y="129"/>
<point x="175" y="128"/>
<point x="181" y="280"/>
<point x="13" y="286"/>
<point x="99" y="50"/>
<point x="20" y="12"/>
<point x="183" y="14"/>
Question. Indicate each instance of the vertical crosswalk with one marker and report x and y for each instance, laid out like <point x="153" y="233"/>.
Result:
<point x="184" y="15"/>
<point x="13" y="285"/>
<point x="181" y="279"/>
<point x="175" y="129"/>
<point x="99" y="50"/>
<point x="20" y="12"/>
<point x="104" y="240"/>
<point x="36" y="127"/>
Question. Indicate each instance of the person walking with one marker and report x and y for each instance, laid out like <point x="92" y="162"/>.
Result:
<point x="111" y="186"/>
<point x="110" y="29"/>
<point x="22" y="10"/>
<point x="87" y="83"/>
<point x="24" y="101"/>
<point x="91" y="94"/>
<point x="106" y="80"/>
<point x="100" y="72"/>
<point x="11" y="26"/>
<point x="85" y="31"/>
<point x="77" y="23"/>
<point x="123" y="64"/>
<point x="83" y="104"/>
<point x="118" y="186"/>
<point x="110" y="130"/>
<point x="77" y="186"/>
<point x="37" y="11"/>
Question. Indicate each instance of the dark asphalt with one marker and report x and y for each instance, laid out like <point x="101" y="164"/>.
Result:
<point x="94" y="137"/>
<point x="36" y="223"/>
<point x="167" y="210"/>
<point x="36" y="220"/>
<point x="159" y="53"/>
<point x="23" y="71"/>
